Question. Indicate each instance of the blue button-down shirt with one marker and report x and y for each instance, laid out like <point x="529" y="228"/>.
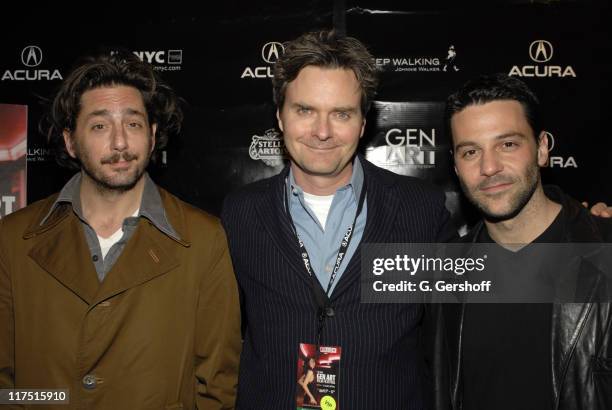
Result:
<point x="323" y="243"/>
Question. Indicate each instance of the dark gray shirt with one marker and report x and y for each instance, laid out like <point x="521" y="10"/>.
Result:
<point x="151" y="207"/>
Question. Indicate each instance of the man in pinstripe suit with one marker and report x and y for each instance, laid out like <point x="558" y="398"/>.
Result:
<point x="295" y="241"/>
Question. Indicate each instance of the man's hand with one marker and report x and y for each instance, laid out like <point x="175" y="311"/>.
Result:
<point x="600" y="209"/>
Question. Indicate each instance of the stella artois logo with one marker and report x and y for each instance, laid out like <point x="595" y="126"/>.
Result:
<point x="268" y="147"/>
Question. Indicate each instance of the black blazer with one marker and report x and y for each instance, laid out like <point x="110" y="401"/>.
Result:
<point x="382" y="365"/>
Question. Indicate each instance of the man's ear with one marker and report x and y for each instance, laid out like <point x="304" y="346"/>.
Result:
<point x="153" y="136"/>
<point x="69" y="143"/>
<point x="452" y="154"/>
<point x="542" y="149"/>
<point x="280" y="122"/>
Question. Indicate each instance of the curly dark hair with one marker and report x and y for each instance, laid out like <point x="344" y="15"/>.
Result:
<point x="121" y="68"/>
<point x="326" y="49"/>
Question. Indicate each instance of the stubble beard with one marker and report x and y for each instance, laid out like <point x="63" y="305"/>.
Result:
<point x="517" y="201"/>
<point x="106" y="184"/>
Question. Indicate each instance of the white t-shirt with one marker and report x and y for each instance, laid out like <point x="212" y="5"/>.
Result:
<point x="320" y="206"/>
<point x="107" y="243"/>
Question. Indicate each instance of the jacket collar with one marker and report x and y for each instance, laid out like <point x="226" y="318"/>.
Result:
<point x="579" y="226"/>
<point x="269" y="204"/>
<point x="62" y="251"/>
<point x="151" y="206"/>
<point x="382" y="208"/>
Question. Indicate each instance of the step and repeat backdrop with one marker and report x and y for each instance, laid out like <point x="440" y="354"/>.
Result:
<point x="222" y="69"/>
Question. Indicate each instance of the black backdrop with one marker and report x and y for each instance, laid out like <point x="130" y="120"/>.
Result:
<point x="218" y="58"/>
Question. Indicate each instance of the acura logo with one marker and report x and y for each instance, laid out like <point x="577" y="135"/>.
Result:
<point x="540" y="51"/>
<point x="31" y="56"/>
<point x="271" y="52"/>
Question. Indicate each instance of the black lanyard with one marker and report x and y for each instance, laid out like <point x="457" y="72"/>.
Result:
<point x="322" y="302"/>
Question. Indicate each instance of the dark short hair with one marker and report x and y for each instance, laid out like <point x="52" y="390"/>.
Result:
<point x="326" y="49"/>
<point x="121" y="68"/>
<point x="495" y="87"/>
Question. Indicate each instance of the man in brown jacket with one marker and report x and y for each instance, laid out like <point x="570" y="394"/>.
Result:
<point x="114" y="289"/>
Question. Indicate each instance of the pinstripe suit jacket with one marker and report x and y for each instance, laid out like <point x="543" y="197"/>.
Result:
<point x="382" y="365"/>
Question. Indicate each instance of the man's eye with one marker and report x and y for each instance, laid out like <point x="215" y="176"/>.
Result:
<point x="509" y="145"/>
<point x="342" y="115"/>
<point x="469" y="153"/>
<point x="97" y="127"/>
<point x="135" y="125"/>
<point x="303" y="110"/>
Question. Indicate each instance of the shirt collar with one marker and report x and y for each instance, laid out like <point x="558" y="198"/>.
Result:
<point x="151" y="206"/>
<point x="355" y="184"/>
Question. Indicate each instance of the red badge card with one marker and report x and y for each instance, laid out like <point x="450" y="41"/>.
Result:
<point x="318" y="370"/>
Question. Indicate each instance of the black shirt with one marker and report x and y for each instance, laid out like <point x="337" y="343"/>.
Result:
<point x="507" y="347"/>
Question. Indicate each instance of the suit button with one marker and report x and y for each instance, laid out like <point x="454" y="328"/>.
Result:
<point x="89" y="381"/>
<point x="95" y="258"/>
<point x="329" y="312"/>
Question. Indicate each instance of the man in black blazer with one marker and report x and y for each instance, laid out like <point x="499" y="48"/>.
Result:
<point x="296" y="239"/>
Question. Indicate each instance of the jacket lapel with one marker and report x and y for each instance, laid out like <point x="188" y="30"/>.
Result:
<point x="381" y="204"/>
<point x="569" y="319"/>
<point x="64" y="254"/>
<point x="381" y="207"/>
<point x="62" y="251"/>
<point x="452" y="333"/>
<point x="142" y="260"/>
<point x="271" y="211"/>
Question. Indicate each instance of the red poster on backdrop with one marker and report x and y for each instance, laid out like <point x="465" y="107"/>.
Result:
<point x="13" y="149"/>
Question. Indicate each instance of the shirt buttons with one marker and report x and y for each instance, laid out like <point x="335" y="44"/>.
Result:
<point x="89" y="381"/>
<point x="328" y="268"/>
<point x="95" y="258"/>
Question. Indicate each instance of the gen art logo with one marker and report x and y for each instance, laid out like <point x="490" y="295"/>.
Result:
<point x="413" y="147"/>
